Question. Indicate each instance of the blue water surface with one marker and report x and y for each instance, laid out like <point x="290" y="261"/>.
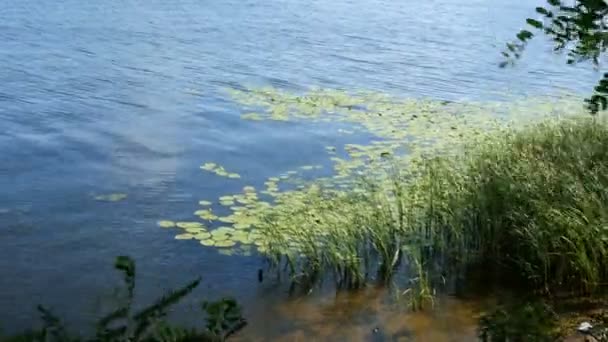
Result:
<point x="129" y="96"/>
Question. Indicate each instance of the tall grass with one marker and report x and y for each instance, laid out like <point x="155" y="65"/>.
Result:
<point x="528" y="205"/>
<point x="531" y="206"/>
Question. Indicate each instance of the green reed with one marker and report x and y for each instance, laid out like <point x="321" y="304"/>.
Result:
<point x="527" y="205"/>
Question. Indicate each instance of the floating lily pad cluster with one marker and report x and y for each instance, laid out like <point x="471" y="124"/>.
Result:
<point x="221" y="237"/>
<point x="219" y="170"/>
<point x="296" y="216"/>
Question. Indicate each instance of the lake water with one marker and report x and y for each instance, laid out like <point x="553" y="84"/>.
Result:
<point x="129" y="96"/>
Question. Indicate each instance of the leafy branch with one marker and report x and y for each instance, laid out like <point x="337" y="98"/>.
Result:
<point x="581" y="29"/>
<point x="223" y="318"/>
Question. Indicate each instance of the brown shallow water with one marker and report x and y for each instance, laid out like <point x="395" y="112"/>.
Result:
<point x="366" y="315"/>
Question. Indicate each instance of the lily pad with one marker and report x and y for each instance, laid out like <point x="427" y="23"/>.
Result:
<point x="184" y="237"/>
<point x="226" y="230"/>
<point x="186" y="225"/>
<point x="194" y="230"/>
<point x="252" y="116"/>
<point x="242" y="226"/>
<point x="207" y="242"/>
<point x="111" y="197"/>
<point x="221" y="172"/>
<point x="205" y="203"/>
<point x="209" y="166"/>
<point x="224" y="243"/>
<point x="202" y="236"/>
<point x="209" y="217"/>
<point x="166" y="224"/>
<point x="227" y="203"/>
<point x="227" y="219"/>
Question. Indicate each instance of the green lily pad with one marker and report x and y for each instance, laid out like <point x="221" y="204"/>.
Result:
<point x="111" y="197"/>
<point x="219" y="235"/>
<point x="221" y="172"/>
<point x="202" y="212"/>
<point x="184" y="237"/>
<point x="207" y="242"/>
<point x="205" y="203"/>
<point x="209" y="166"/>
<point x="227" y="203"/>
<point x="252" y="116"/>
<point x="227" y="219"/>
<point x="241" y="225"/>
<point x="202" y="236"/>
<point x="234" y="175"/>
<point x="194" y="230"/>
<point x="224" y="243"/>
<point x="166" y="224"/>
<point x="186" y="225"/>
<point x="209" y="217"/>
<point x="243" y="200"/>
<point x="226" y="230"/>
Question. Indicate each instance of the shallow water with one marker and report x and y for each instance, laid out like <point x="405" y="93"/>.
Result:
<point x="100" y="97"/>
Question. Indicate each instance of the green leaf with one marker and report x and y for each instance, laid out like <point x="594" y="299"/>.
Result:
<point x="524" y="35"/>
<point x="535" y="23"/>
<point x="145" y="317"/>
<point x="543" y="11"/>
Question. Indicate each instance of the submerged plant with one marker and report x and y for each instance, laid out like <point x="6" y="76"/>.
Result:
<point x="519" y="321"/>
<point x="147" y="324"/>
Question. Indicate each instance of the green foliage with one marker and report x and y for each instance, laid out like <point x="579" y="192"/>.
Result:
<point x="224" y="317"/>
<point x="147" y="324"/>
<point x="580" y="28"/>
<point x="528" y="205"/>
<point x="533" y="321"/>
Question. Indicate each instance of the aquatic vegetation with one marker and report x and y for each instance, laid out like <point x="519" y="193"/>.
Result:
<point x="252" y="116"/>
<point x="517" y="321"/>
<point x="166" y="224"/>
<point x="115" y="197"/>
<point x="184" y="237"/>
<point x="186" y="225"/>
<point x="418" y="193"/>
<point x="219" y="170"/>
<point x="528" y="206"/>
<point x="222" y="318"/>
